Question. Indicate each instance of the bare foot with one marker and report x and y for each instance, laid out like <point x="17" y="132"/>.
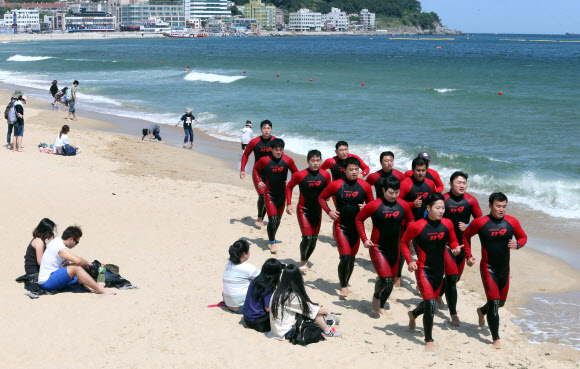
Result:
<point x="455" y="320"/>
<point x="159" y="141"/>
<point x="107" y="291"/>
<point x="429" y="346"/>
<point x="383" y="312"/>
<point x="184" y="146"/>
<point x="344" y="292"/>
<point x="259" y="223"/>
<point x="193" y="145"/>
<point x="397" y="282"/>
<point x="273" y="248"/>
<point x="481" y="317"/>
<point x="496" y="344"/>
<point x="411" y="321"/>
<point x="440" y="304"/>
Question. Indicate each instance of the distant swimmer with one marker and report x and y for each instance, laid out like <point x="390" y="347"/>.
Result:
<point x="270" y="173"/>
<point x="152" y="131"/>
<point x="335" y="164"/>
<point x="388" y="214"/>
<point x="430" y="235"/>
<point x="459" y="208"/>
<point x="260" y="146"/>
<point x="311" y="182"/>
<point x="495" y="231"/>
<point x="247" y="135"/>
<point x="186" y="68"/>
<point x="387" y="159"/>
<point x="349" y="194"/>
<point x="431" y="173"/>
<point x="414" y="190"/>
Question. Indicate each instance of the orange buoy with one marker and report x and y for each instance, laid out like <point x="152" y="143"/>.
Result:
<point x="438" y="47"/>
<point x="310" y="79"/>
<point x="500" y="93"/>
<point x="277" y="75"/>
<point x="123" y="57"/>
<point x="362" y="84"/>
<point x="134" y="58"/>
<point x="160" y="62"/>
<point x="171" y="64"/>
<point x="147" y="61"/>
<point x="244" y="71"/>
<point x="101" y="54"/>
<point x="427" y="88"/>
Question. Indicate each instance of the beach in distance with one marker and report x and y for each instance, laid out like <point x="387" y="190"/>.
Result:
<point x="167" y="215"/>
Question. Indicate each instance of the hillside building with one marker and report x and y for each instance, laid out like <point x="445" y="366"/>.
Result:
<point x="367" y="20"/>
<point x="335" y="20"/>
<point x="264" y="14"/>
<point x="305" y="20"/>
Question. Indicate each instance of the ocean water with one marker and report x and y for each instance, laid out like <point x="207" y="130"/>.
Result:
<point x="438" y="94"/>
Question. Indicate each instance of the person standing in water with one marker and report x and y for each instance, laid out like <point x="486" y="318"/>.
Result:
<point x="187" y="121"/>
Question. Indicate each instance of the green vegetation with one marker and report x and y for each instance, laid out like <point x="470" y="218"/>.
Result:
<point x="396" y="12"/>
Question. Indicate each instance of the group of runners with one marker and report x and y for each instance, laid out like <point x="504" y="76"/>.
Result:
<point x="409" y="213"/>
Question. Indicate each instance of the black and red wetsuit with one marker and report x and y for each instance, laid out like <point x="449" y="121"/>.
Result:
<point x="494" y="235"/>
<point x="431" y="236"/>
<point x="275" y="173"/>
<point x="388" y="219"/>
<point x="260" y="147"/>
<point x="432" y="175"/>
<point x="347" y="196"/>
<point x="377" y="178"/>
<point x="336" y="166"/>
<point x="308" y="210"/>
<point x="411" y="190"/>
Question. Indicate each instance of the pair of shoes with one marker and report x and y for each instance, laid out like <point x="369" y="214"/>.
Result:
<point x="43" y="145"/>
<point x="332" y="333"/>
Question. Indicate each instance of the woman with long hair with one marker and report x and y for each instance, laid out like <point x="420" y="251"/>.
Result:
<point x="257" y="304"/>
<point x="44" y="231"/>
<point x="237" y="276"/>
<point x="291" y="299"/>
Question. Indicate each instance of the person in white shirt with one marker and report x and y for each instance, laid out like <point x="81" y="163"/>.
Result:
<point x="61" y="140"/>
<point x="60" y="268"/>
<point x="290" y="299"/>
<point x="237" y="276"/>
<point x="247" y="135"/>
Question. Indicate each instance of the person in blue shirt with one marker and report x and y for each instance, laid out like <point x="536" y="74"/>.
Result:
<point x="187" y="120"/>
<point x="256" y="307"/>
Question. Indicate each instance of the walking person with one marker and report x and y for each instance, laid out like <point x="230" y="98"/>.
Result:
<point x="72" y="101"/>
<point x="19" y="123"/>
<point x="187" y="120"/>
<point x="53" y="90"/>
<point x="247" y="135"/>
<point x="10" y="123"/>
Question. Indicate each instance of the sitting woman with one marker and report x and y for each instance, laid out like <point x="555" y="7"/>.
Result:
<point x="237" y="276"/>
<point x="43" y="232"/>
<point x="291" y="299"/>
<point x="257" y="304"/>
<point x="61" y="140"/>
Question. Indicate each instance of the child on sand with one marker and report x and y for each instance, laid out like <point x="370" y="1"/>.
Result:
<point x="187" y="120"/>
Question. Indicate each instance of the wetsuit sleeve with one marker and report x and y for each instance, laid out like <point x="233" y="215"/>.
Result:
<point x="438" y="182"/>
<point x="296" y="179"/>
<point x="326" y="177"/>
<point x="372" y="178"/>
<point x="261" y="164"/>
<point x="327" y="164"/>
<point x="408" y="213"/>
<point x="405" y="189"/>
<point x="363" y="215"/>
<point x="471" y="231"/>
<point x="412" y="231"/>
<point x="368" y="192"/>
<point x="409" y="173"/>
<point x="246" y="154"/>
<point x="453" y="243"/>
<point x="475" y="208"/>
<point x="400" y="175"/>
<point x="327" y="193"/>
<point x="431" y="184"/>
<point x="365" y="168"/>
<point x="291" y="165"/>
<point x="521" y="236"/>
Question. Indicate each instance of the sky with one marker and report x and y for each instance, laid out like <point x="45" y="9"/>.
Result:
<point x="507" y="16"/>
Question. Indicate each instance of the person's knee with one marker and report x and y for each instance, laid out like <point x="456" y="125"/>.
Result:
<point x="345" y="259"/>
<point x="430" y="307"/>
<point x="451" y="280"/>
<point x="308" y="239"/>
<point x="501" y="304"/>
<point x="389" y="282"/>
<point x="494" y="307"/>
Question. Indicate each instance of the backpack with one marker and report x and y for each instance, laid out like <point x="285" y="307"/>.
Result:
<point x="69" y="94"/>
<point x="12" y="114"/>
<point x="305" y="331"/>
<point x="7" y="111"/>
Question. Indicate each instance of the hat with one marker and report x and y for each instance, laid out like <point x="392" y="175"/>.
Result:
<point x="188" y="110"/>
<point x="425" y="155"/>
<point x="16" y="94"/>
<point x="248" y="124"/>
<point x="24" y="98"/>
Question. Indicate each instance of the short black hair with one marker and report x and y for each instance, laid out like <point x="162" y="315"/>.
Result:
<point x="312" y="154"/>
<point x="350" y="161"/>
<point x="248" y="122"/>
<point x="145" y="131"/>
<point x="72" y="231"/>
<point x="433" y="198"/>
<point x="386" y="153"/>
<point x="419" y="162"/>
<point x="75" y="82"/>
<point x="266" y="123"/>
<point x="237" y="249"/>
<point x="340" y="143"/>
<point x="458" y="174"/>
<point x="391" y="182"/>
<point x="497" y="196"/>
<point x="277" y="142"/>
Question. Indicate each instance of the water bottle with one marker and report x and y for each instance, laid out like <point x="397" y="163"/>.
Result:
<point x="101" y="277"/>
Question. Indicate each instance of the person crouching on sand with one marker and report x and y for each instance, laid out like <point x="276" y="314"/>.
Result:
<point x="187" y="120"/>
<point x="152" y="130"/>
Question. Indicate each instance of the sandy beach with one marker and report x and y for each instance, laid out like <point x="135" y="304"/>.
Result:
<point x="167" y="216"/>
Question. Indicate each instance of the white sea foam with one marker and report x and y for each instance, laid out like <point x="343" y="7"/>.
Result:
<point x="444" y="90"/>
<point x="98" y="99"/>
<point x="77" y="59"/>
<point x="211" y="77"/>
<point x="24" y="58"/>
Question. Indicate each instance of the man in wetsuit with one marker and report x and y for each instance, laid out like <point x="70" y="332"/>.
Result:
<point x="430" y="235"/>
<point x="389" y="214"/>
<point x="260" y="146"/>
<point x="495" y="231"/>
<point x="376" y="179"/>
<point x="336" y="163"/>
<point x="459" y="208"/>
<point x="349" y="194"/>
<point x="311" y="182"/>
<point x="414" y="190"/>
<point x="274" y="169"/>
<point x="431" y="173"/>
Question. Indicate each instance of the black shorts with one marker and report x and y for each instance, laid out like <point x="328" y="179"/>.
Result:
<point x="244" y="146"/>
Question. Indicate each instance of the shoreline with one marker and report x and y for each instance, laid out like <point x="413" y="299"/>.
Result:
<point x="152" y="209"/>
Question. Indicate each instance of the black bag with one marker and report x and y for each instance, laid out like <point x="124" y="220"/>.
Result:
<point x="305" y="331"/>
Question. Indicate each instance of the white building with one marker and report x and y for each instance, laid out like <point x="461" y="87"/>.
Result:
<point x="335" y="20"/>
<point x="305" y="20"/>
<point x="25" y="20"/>
<point x="89" y="23"/>
<point x="204" y="9"/>
<point x="367" y="20"/>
